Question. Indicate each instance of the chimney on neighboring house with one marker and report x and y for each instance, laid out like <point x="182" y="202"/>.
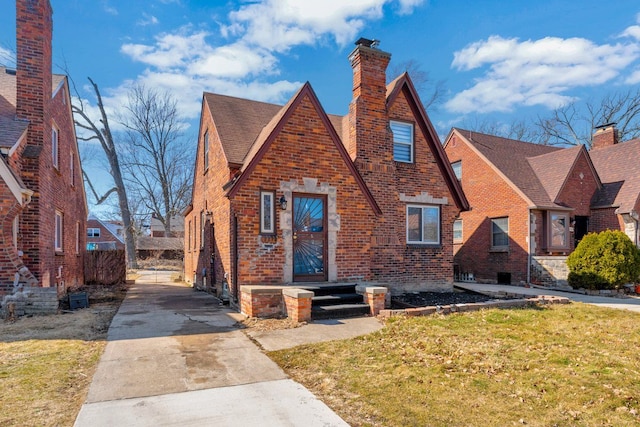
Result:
<point x="605" y="136"/>
<point x="368" y="122"/>
<point x="34" y="30"/>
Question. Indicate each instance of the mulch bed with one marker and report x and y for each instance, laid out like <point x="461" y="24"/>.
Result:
<point x="427" y="299"/>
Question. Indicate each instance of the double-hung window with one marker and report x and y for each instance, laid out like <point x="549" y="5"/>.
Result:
<point x="402" y="141"/>
<point x="457" y="231"/>
<point x="500" y="233"/>
<point x="457" y="169"/>
<point x="423" y="224"/>
<point x="93" y="232"/>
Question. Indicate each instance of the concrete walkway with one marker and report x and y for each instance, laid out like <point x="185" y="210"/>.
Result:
<point x="631" y="303"/>
<point x="174" y="357"/>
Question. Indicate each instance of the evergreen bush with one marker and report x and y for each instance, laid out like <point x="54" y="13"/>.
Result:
<point x="605" y="260"/>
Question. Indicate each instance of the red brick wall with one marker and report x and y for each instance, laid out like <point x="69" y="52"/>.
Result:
<point x="53" y="189"/>
<point x="605" y="219"/>
<point x="577" y="192"/>
<point x="303" y="148"/>
<point x="489" y="197"/>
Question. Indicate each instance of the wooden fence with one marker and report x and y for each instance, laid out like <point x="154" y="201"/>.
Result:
<point x="105" y="267"/>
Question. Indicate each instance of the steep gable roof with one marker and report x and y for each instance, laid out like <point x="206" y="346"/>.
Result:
<point x="271" y="129"/>
<point x="510" y="158"/>
<point x="619" y="170"/>
<point x="11" y="128"/>
<point x="403" y="84"/>
<point x="553" y="169"/>
<point x="240" y="121"/>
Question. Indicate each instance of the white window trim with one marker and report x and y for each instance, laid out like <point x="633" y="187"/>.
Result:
<point x="202" y="224"/>
<point x="270" y="210"/>
<point x="206" y="150"/>
<point x="55" y="146"/>
<point x="422" y="241"/>
<point x="91" y="232"/>
<point x="500" y="247"/>
<point x="410" y="144"/>
<point x="59" y="228"/>
<point x="453" y="166"/>
<point x="461" y="239"/>
<point x="567" y="234"/>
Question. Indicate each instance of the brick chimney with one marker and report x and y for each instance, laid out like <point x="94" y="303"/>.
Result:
<point x="605" y="136"/>
<point x="369" y="138"/>
<point x="34" y="28"/>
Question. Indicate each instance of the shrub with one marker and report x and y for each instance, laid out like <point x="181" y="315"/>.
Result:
<point x="605" y="260"/>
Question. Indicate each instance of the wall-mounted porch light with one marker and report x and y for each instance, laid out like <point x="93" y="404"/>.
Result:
<point x="283" y="203"/>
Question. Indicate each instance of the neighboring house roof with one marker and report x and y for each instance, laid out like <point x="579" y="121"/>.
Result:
<point x="12" y="128"/>
<point x="518" y="163"/>
<point x="553" y="169"/>
<point x="177" y="223"/>
<point x="146" y="243"/>
<point x="619" y="170"/>
<point x="111" y="228"/>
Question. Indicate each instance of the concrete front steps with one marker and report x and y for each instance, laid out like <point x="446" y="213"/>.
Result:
<point x="332" y="301"/>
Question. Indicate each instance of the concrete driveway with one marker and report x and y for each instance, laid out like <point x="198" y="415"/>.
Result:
<point x="174" y="357"/>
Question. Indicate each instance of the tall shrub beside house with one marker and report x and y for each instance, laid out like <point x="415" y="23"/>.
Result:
<point x="605" y="260"/>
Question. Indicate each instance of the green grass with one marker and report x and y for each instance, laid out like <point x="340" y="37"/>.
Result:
<point x="562" y="365"/>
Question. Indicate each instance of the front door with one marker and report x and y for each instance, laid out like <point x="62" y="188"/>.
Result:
<point x="309" y="238"/>
<point x="581" y="228"/>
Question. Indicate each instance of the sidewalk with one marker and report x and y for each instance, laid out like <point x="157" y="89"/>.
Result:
<point x="630" y="303"/>
<point x="174" y="357"/>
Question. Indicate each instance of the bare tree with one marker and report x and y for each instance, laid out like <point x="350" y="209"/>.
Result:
<point x="431" y="93"/>
<point x="157" y="163"/>
<point x="518" y="129"/>
<point x="101" y="131"/>
<point x="573" y="124"/>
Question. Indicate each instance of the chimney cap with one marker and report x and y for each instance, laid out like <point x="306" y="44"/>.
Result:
<point x="606" y="125"/>
<point x="367" y="43"/>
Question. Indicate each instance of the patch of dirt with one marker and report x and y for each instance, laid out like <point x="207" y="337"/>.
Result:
<point x="427" y="299"/>
<point x="88" y="324"/>
<point x="269" y="324"/>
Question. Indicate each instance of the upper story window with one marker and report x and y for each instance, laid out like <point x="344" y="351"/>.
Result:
<point x="558" y="230"/>
<point x="402" y="141"/>
<point x="54" y="147"/>
<point x="423" y="224"/>
<point x="202" y="229"/>
<point x="457" y="169"/>
<point x="93" y="232"/>
<point x="457" y="231"/>
<point x="206" y="151"/>
<point x="500" y="233"/>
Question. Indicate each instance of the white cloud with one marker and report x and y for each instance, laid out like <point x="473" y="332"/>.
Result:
<point x="535" y="72"/>
<point x="634" y="78"/>
<point x="244" y="58"/>
<point x="147" y="20"/>
<point x="7" y="57"/>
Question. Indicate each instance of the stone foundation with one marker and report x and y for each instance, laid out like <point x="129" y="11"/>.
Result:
<point x="550" y="271"/>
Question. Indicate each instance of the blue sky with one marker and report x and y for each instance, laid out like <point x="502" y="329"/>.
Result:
<point x="499" y="60"/>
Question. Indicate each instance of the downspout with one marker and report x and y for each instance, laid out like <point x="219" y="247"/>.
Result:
<point x="235" y="258"/>
<point x="529" y="246"/>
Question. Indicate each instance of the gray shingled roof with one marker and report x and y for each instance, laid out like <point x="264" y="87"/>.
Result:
<point x="619" y="170"/>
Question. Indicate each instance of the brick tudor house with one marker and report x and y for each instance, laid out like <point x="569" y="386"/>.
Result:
<point x="531" y="204"/>
<point x="103" y="235"/>
<point x="43" y="206"/>
<point x="288" y="194"/>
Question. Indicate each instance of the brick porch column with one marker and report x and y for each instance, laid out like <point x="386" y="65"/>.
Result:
<point x="297" y="304"/>
<point x="374" y="296"/>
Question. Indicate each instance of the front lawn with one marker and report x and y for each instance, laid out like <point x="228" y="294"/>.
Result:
<point x="559" y="365"/>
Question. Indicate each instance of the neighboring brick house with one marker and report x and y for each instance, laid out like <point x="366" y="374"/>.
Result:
<point x="531" y="204"/>
<point x="102" y="235"/>
<point x="288" y="194"/>
<point x="43" y="227"/>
